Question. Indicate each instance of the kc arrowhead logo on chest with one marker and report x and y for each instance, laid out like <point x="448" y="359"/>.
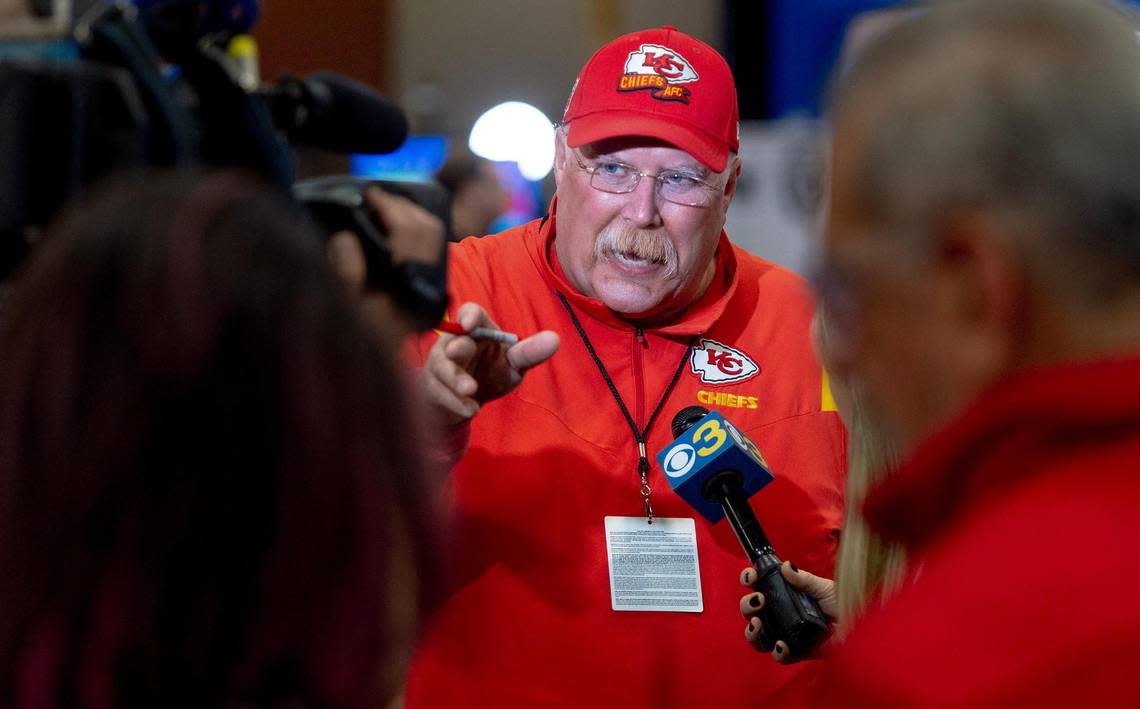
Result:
<point x="717" y="363"/>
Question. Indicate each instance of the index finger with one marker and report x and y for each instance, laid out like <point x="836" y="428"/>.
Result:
<point x="347" y="260"/>
<point x="415" y="233"/>
<point x="383" y="202"/>
<point x="751" y="605"/>
<point x="472" y="315"/>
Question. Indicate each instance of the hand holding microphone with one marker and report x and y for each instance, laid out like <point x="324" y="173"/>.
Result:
<point x="751" y="606"/>
<point x="716" y="468"/>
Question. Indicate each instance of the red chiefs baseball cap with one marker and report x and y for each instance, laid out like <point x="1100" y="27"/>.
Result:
<point x="658" y="83"/>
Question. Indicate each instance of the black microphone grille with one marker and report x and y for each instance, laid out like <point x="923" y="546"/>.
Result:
<point x="348" y="116"/>
<point x="686" y="417"/>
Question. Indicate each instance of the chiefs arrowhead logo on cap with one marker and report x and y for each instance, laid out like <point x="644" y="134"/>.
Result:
<point x="657" y="83"/>
<point x="718" y="363"/>
<point x="658" y="69"/>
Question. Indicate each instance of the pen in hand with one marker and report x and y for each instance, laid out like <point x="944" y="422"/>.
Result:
<point x="479" y="333"/>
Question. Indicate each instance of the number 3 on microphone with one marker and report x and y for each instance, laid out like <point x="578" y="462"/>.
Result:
<point x="712" y="433"/>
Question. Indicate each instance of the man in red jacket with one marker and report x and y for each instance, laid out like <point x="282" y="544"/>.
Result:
<point x="581" y="580"/>
<point x="982" y="271"/>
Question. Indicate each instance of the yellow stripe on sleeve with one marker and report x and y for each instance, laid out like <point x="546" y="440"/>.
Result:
<point x="827" y="401"/>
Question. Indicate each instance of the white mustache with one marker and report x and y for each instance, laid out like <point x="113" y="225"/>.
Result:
<point x="645" y="245"/>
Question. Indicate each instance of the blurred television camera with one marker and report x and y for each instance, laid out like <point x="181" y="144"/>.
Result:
<point x="93" y="87"/>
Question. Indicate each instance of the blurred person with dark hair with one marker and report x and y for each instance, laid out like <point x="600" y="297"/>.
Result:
<point x="208" y="496"/>
<point x="478" y="195"/>
<point x="982" y="268"/>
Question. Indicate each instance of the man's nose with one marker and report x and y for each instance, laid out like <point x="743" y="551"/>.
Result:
<point x="641" y="204"/>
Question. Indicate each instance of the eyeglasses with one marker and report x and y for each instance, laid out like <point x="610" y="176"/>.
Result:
<point x="676" y="186"/>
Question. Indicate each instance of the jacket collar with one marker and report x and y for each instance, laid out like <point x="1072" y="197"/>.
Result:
<point x="1008" y="433"/>
<point x="695" y="320"/>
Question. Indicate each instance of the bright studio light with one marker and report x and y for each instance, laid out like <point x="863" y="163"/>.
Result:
<point x="516" y="132"/>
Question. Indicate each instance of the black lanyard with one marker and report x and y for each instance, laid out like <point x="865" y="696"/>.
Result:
<point x="638" y="436"/>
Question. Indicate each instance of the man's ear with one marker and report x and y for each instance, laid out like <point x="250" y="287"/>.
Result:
<point x="560" y="155"/>
<point x="730" y="185"/>
<point x="981" y="290"/>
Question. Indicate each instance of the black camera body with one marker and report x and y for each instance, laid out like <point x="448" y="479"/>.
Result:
<point x="104" y="98"/>
<point x="337" y="204"/>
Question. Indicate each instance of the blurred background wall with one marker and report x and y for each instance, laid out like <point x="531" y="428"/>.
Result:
<point x="452" y="61"/>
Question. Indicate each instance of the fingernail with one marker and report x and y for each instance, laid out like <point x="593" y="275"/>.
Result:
<point x="793" y="565"/>
<point x="754" y="601"/>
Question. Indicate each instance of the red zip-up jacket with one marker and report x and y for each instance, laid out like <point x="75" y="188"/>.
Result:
<point x="1023" y="518"/>
<point x="530" y="623"/>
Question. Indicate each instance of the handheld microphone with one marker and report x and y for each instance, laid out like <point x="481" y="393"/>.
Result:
<point x="716" y="468"/>
<point x="333" y="112"/>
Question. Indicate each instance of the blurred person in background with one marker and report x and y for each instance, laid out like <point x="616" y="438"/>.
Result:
<point x="478" y="196"/>
<point x="632" y="275"/>
<point x="867" y="569"/>
<point x="208" y="493"/>
<point x="982" y="264"/>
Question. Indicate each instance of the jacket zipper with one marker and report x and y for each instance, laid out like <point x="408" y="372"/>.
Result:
<point x="639" y="344"/>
